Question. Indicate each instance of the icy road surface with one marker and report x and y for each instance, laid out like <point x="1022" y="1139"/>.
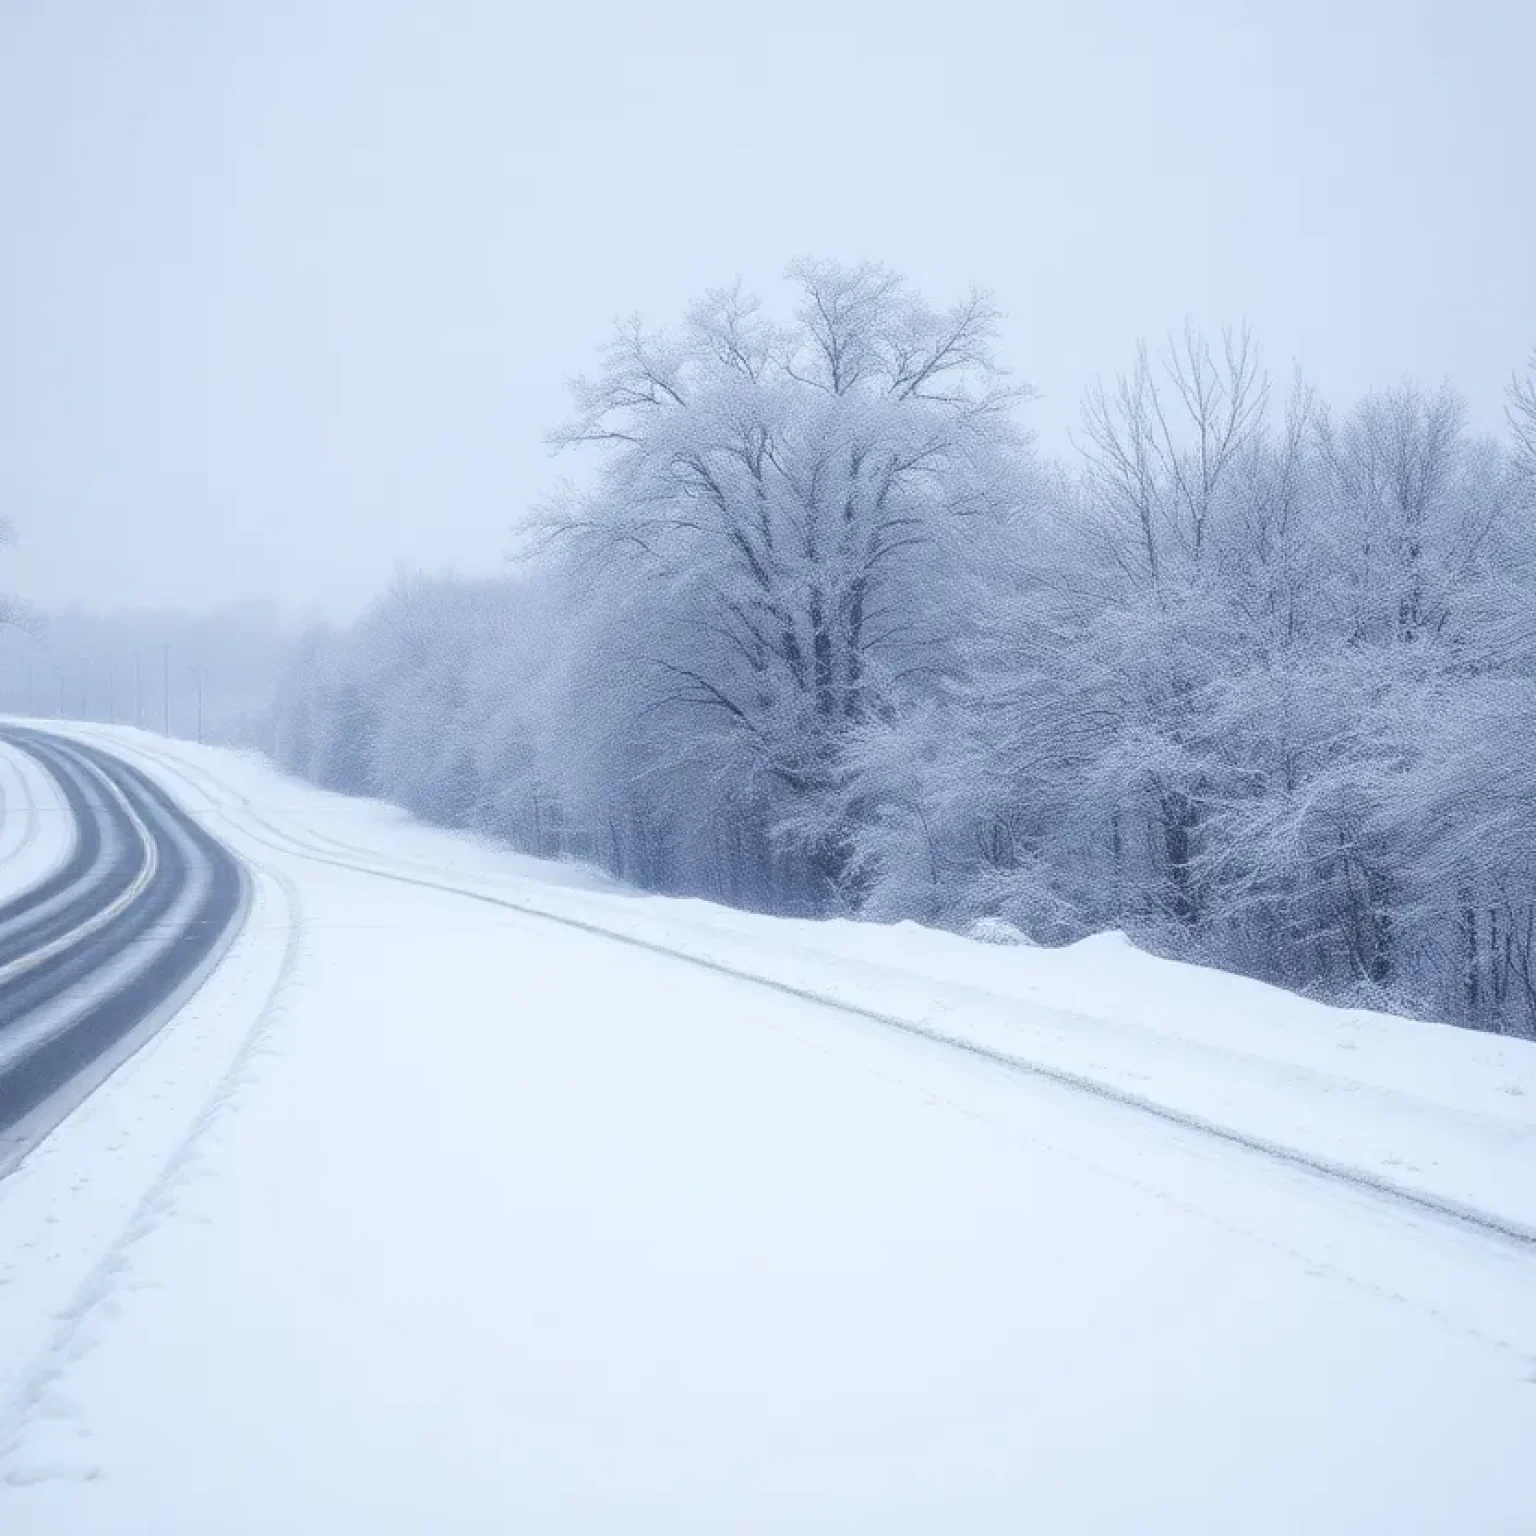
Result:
<point x="36" y="831"/>
<point x="429" y="1215"/>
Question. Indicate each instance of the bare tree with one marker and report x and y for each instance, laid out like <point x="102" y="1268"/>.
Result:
<point x="779" y="510"/>
<point x="1161" y="444"/>
<point x="1520" y="410"/>
<point x="1161" y="466"/>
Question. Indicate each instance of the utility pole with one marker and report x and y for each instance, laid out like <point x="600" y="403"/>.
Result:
<point x="138" y="691"/>
<point x="111" y="693"/>
<point x="199" y="703"/>
<point x="31" y="711"/>
<point x="165" y="683"/>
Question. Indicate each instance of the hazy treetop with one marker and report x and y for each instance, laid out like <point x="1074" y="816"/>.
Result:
<point x="290" y="291"/>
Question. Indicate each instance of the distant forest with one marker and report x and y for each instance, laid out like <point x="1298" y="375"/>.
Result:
<point x="205" y="675"/>
<point x="1252" y="677"/>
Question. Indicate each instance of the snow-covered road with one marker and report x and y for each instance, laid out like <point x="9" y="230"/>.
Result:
<point x="36" y="830"/>
<point x="429" y="1215"/>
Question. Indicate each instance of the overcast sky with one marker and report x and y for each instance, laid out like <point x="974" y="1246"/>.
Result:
<point x="289" y="289"/>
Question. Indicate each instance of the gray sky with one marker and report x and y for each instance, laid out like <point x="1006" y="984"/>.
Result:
<point x="289" y="289"/>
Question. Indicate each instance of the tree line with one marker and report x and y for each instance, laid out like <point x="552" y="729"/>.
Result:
<point x="1250" y="677"/>
<point x="207" y="673"/>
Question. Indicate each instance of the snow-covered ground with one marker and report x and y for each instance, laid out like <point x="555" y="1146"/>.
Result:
<point x="430" y="1213"/>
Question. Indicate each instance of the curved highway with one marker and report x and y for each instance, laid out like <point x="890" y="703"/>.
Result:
<point x="96" y="957"/>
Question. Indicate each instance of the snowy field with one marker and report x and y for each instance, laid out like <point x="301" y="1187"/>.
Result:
<point x="474" y="1194"/>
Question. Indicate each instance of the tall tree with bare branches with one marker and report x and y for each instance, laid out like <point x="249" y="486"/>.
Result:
<point x="781" y="513"/>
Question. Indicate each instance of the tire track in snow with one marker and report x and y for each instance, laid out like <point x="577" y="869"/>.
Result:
<point x="16" y="772"/>
<point x="27" y="805"/>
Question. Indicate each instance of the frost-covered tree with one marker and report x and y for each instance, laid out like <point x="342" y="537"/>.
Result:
<point x="1078" y="737"/>
<point x="783" y="520"/>
<point x="1251" y="678"/>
